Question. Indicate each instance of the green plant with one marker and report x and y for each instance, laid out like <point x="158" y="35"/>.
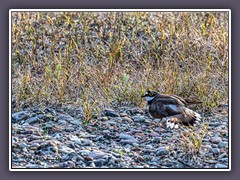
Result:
<point x="64" y="57"/>
<point x="191" y="140"/>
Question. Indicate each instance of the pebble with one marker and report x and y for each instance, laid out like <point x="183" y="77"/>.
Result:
<point x="112" y="122"/>
<point x="127" y="119"/>
<point x="65" y="117"/>
<point x="34" y="146"/>
<point x="84" y="152"/>
<point x="126" y="136"/>
<point x="139" y="118"/>
<point x="65" y="149"/>
<point x="222" y="155"/>
<point x="123" y="114"/>
<point x="149" y="146"/>
<point x="215" y="140"/>
<point x="22" y="145"/>
<point x="32" y="120"/>
<point x="75" y="122"/>
<point x="97" y="154"/>
<point x="134" y="111"/>
<point x="86" y="142"/>
<point x="33" y="166"/>
<point x="128" y="141"/>
<point x="75" y="139"/>
<point x="18" y="116"/>
<point x="220" y="166"/>
<point x="215" y="151"/>
<point x="223" y="159"/>
<point x="125" y="139"/>
<point x="62" y="122"/>
<point x="223" y="144"/>
<point x="103" y="118"/>
<point x="111" y="113"/>
<point x="161" y="151"/>
<point x="100" y="162"/>
<point x="88" y="158"/>
<point x="69" y="129"/>
<point x="156" y="140"/>
<point x="68" y="164"/>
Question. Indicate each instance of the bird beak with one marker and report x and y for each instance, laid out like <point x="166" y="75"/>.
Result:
<point x="143" y="96"/>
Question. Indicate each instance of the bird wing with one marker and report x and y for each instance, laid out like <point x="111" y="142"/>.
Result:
<point x="179" y="98"/>
<point x="158" y="109"/>
<point x="172" y="110"/>
<point x="170" y="99"/>
<point x="174" y="99"/>
<point x="186" y="116"/>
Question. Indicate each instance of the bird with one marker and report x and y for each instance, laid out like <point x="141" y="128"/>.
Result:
<point x="171" y="107"/>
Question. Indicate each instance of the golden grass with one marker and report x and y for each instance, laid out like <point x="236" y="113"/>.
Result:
<point x="99" y="59"/>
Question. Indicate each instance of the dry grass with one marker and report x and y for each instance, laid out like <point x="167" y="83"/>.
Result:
<point x="95" y="59"/>
<point x="191" y="140"/>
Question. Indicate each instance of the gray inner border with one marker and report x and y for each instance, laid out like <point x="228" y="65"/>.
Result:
<point x="220" y="4"/>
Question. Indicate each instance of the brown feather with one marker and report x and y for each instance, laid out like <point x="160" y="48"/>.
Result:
<point x="164" y="105"/>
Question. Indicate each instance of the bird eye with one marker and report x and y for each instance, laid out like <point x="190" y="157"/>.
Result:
<point x="150" y="94"/>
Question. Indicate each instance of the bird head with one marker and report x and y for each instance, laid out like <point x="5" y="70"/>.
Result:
<point x="150" y="95"/>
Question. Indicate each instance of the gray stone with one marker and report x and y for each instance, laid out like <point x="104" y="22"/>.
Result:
<point x="149" y="146"/>
<point x="156" y="140"/>
<point x="215" y="140"/>
<point x="75" y="139"/>
<point x="62" y="122"/>
<point x="84" y="152"/>
<point x="117" y="155"/>
<point x="117" y="119"/>
<point x="205" y="140"/>
<point x="65" y="149"/>
<point x="141" y="167"/>
<point x="75" y="122"/>
<point x="128" y="141"/>
<point x="222" y="155"/>
<point x="32" y="120"/>
<point x="103" y="118"/>
<point x="68" y="164"/>
<point x="112" y="122"/>
<point x="123" y="114"/>
<point x="215" y="151"/>
<point x="97" y="154"/>
<point x="161" y="151"/>
<point x="223" y="160"/>
<point x="33" y="166"/>
<point x="65" y="117"/>
<point x="69" y="129"/>
<point x="100" y="162"/>
<point x="135" y="144"/>
<point x="86" y="142"/>
<point x="125" y="136"/>
<point x="34" y="146"/>
<point x="18" y="116"/>
<point x="135" y="111"/>
<point x="22" y="145"/>
<point x="139" y="118"/>
<point x="220" y="166"/>
<point x="129" y="120"/>
<point x="223" y="144"/>
<point x="111" y="113"/>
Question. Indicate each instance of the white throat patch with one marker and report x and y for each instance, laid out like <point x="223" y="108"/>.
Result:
<point x="148" y="98"/>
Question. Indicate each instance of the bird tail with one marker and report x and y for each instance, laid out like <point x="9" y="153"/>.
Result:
<point x="190" y="117"/>
<point x="190" y="101"/>
<point x="187" y="118"/>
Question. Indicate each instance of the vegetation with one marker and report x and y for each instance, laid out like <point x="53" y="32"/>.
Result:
<point x="109" y="59"/>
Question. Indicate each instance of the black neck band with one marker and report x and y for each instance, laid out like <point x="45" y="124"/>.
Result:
<point x="150" y="102"/>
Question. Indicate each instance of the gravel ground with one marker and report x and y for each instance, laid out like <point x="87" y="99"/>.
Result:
<point x="123" y="138"/>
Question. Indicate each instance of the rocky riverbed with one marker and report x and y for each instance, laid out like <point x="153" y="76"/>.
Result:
<point x="122" y="138"/>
